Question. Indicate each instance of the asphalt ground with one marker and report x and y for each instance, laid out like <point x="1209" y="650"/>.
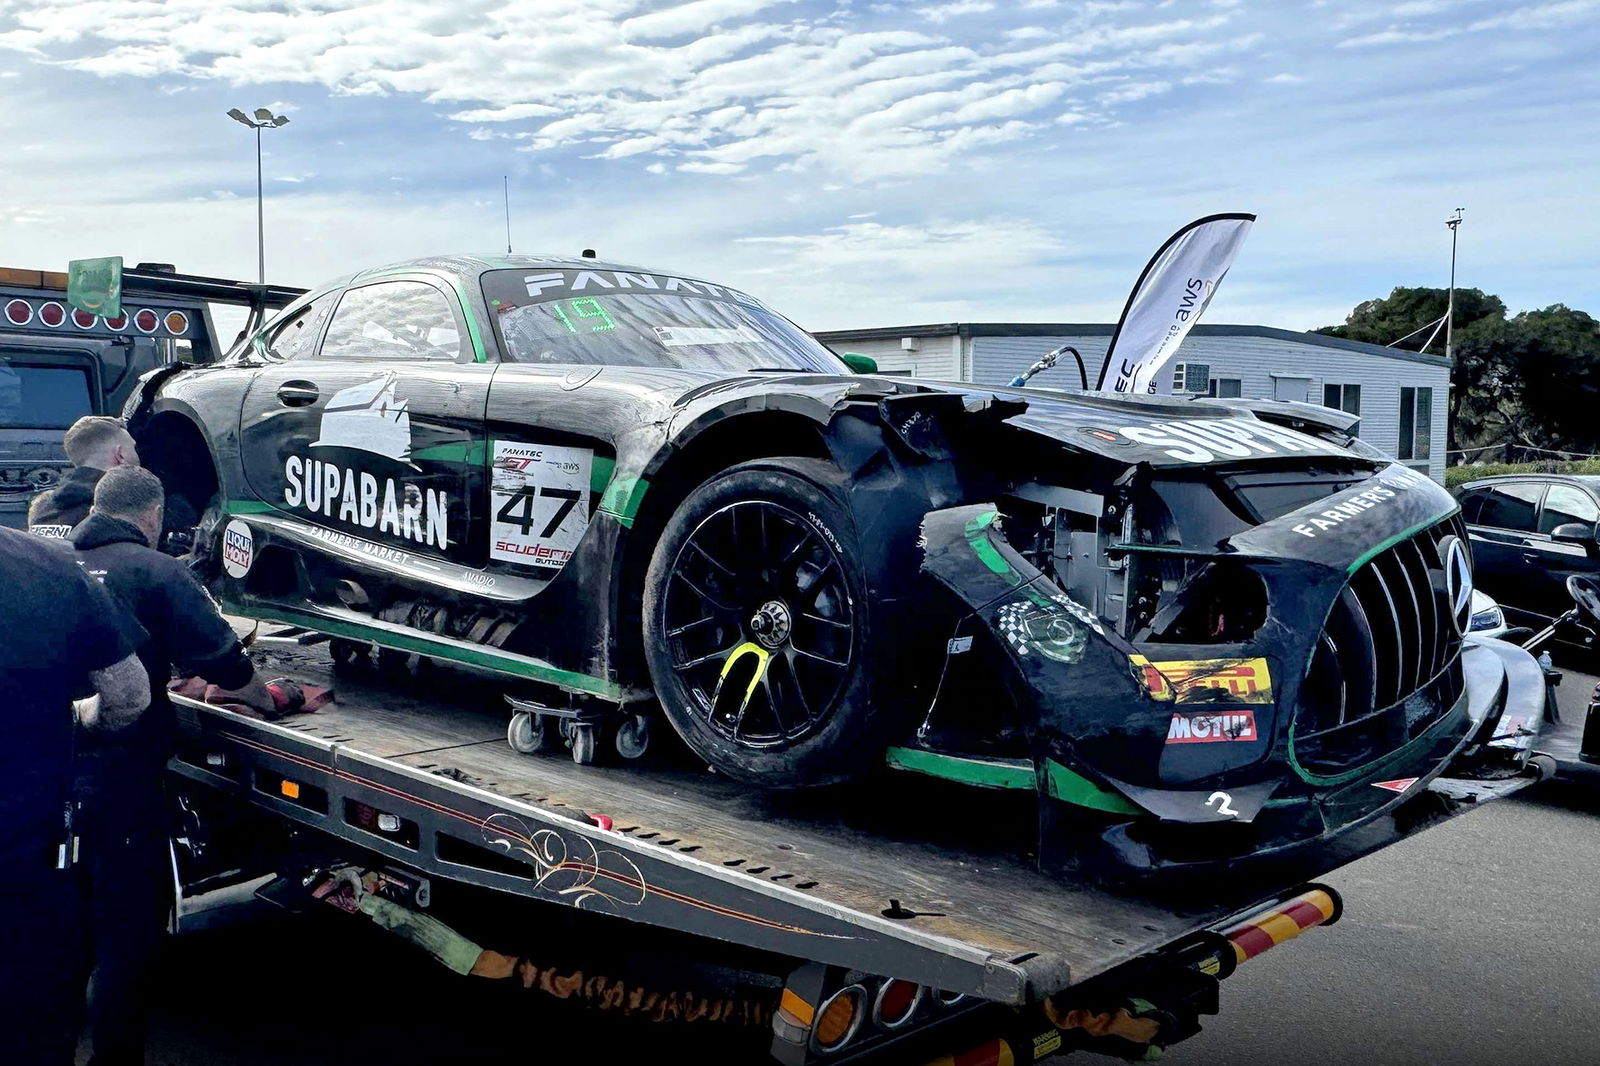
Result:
<point x="1477" y="942"/>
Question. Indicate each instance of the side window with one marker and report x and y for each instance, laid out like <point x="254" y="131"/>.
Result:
<point x="392" y="320"/>
<point x="1471" y="505"/>
<point x="297" y="338"/>
<point x="1564" y="504"/>
<point x="1512" y="506"/>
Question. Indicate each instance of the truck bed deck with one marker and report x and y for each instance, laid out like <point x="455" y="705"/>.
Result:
<point x="903" y="877"/>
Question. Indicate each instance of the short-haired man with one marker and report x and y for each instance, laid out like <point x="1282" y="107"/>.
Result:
<point x="122" y="815"/>
<point x="94" y="444"/>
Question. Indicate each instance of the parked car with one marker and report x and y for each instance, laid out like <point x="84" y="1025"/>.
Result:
<point x="1529" y="533"/>
<point x="1488" y="620"/>
<point x="1195" y="634"/>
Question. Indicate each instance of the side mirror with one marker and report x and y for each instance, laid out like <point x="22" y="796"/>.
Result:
<point x="860" y="364"/>
<point x="1574" y="533"/>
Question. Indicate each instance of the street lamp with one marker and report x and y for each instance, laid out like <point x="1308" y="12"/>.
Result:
<point x="264" y="120"/>
<point x="1454" y="222"/>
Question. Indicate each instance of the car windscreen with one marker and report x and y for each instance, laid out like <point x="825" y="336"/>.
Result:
<point x="623" y="318"/>
<point x="42" y="397"/>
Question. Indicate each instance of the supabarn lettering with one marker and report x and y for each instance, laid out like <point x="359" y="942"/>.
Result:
<point x="359" y="498"/>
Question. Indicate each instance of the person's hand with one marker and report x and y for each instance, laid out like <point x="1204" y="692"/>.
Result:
<point x="254" y="695"/>
<point x="87" y="711"/>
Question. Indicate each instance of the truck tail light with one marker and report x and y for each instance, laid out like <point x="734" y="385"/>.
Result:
<point x="839" y="1019"/>
<point x="897" y="1002"/>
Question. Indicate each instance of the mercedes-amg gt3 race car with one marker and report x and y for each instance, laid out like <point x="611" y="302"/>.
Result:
<point x="1196" y="633"/>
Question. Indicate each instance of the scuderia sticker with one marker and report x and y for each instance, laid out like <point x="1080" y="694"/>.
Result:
<point x="539" y="502"/>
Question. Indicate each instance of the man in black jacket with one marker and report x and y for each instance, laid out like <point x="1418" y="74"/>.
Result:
<point x="62" y="637"/>
<point x="94" y="444"/>
<point x="121" y="809"/>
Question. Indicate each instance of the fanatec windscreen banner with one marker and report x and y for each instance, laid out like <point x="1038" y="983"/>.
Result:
<point x="1169" y="297"/>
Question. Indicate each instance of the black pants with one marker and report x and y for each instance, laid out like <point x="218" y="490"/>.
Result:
<point x="127" y="888"/>
<point x="41" y="919"/>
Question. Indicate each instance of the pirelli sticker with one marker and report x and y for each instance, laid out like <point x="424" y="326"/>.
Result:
<point x="1199" y="680"/>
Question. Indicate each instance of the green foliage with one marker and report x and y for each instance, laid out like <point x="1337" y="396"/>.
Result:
<point x="1456" y="476"/>
<point x="1532" y="380"/>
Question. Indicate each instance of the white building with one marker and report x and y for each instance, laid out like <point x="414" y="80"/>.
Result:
<point x="1402" y="397"/>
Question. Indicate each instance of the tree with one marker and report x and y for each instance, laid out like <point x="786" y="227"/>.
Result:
<point x="1483" y="393"/>
<point x="1556" y="360"/>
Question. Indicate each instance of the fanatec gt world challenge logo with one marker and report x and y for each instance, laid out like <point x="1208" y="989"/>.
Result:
<point x="367" y="418"/>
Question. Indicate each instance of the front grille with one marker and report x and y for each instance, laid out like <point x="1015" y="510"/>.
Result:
<point x="1387" y="663"/>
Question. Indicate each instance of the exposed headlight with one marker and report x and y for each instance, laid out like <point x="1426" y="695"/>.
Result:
<point x="1490" y="619"/>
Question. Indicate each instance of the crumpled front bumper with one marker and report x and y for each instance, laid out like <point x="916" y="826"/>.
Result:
<point x="1070" y="676"/>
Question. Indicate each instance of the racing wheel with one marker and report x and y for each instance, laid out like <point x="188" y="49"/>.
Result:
<point x="1585" y="591"/>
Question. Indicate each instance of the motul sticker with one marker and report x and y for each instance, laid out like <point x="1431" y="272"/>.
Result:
<point x="1396" y="786"/>
<point x="238" y="549"/>
<point x="1214" y="728"/>
<point x="1195" y="681"/>
<point x="539" y="502"/>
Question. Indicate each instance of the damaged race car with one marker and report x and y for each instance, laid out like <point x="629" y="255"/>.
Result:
<point x="1195" y="632"/>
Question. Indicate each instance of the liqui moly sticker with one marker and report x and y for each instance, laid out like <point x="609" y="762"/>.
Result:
<point x="1218" y="727"/>
<point x="238" y="549"/>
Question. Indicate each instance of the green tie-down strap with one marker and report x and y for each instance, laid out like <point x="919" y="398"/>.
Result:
<point x="428" y="933"/>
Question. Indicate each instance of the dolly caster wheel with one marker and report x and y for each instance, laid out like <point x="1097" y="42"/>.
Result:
<point x="585" y="743"/>
<point x="633" y="736"/>
<point x="348" y="653"/>
<point x="528" y="733"/>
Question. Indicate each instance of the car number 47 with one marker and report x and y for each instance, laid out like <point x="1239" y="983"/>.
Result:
<point x="518" y="510"/>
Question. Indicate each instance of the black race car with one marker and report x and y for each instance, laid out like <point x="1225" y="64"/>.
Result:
<point x="1196" y="633"/>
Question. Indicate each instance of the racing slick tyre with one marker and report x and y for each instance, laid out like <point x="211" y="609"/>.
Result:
<point x="756" y="626"/>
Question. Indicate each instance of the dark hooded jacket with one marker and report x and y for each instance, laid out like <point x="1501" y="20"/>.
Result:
<point x="65" y="505"/>
<point x="184" y="627"/>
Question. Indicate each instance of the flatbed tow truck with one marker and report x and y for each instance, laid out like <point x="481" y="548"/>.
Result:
<point x="853" y="927"/>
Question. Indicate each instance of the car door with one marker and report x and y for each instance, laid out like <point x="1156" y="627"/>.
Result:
<point x="1564" y="504"/>
<point x="1502" y="531"/>
<point x="371" y="426"/>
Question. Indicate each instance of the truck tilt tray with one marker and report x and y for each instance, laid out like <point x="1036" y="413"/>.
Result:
<point x="889" y="883"/>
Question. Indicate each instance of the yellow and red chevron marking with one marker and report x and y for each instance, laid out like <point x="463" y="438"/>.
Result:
<point x="1284" y="922"/>
<point x="994" y="1052"/>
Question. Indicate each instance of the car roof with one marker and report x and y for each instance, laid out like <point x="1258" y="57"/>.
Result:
<point x="473" y="265"/>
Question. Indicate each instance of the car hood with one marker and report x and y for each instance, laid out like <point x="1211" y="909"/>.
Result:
<point x="1162" y="431"/>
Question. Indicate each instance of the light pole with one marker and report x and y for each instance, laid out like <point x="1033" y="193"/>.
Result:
<point x="264" y="120"/>
<point x="1454" y="222"/>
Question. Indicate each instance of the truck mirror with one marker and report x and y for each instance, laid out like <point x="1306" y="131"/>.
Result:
<point x="860" y="364"/>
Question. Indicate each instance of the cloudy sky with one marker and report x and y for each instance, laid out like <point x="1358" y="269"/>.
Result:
<point x="852" y="162"/>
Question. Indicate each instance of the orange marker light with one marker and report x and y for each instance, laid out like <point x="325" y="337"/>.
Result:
<point x="839" y="1018"/>
<point x="290" y="789"/>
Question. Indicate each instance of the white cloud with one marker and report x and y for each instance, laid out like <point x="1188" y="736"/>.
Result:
<point x="713" y="86"/>
<point x="1284" y="78"/>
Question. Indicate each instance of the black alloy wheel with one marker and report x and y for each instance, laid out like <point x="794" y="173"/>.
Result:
<point x="756" y="625"/>
<point x="759" y="623"/>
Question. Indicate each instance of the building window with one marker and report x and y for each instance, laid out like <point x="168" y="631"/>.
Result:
<point x="1346" y="398"/>
<point x="1416" y="424"/>
<point x="1226" y="388"/>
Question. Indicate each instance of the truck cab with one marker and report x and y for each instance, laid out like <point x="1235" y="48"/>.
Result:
<point x="59" y="363"/>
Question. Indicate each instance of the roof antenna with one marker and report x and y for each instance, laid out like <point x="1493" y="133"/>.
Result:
<point x="505" y="183"/>
<point x="587" y="253"/>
